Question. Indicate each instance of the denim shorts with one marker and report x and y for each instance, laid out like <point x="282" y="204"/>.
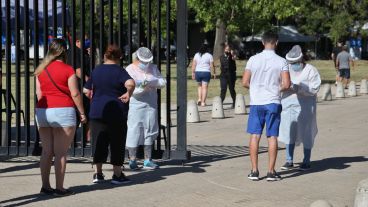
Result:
<point x="203" y="77"/>
<point x="56" y="117"/>
<point x="259" y="115"/>
<point x="344" y="73"/>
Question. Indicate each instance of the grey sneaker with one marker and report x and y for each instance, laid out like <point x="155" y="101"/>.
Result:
<point x="287" y="166"/>
<point x="273" y="176"/>
<point x="120" y="180"/>
<point x="133" y="165"/>
<point x="304" y="167"/>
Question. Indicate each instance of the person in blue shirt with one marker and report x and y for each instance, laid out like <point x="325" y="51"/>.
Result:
<point x="110" y="88"/>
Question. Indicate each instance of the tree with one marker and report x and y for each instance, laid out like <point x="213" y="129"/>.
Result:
<point x="231" y="16"/>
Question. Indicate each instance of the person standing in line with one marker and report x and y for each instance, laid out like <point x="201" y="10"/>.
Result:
<point x="110" y="88"/>
<point x="335" y="51"/>
<point x="228" y="74"/>
<point x="343" y="63"/>
<point x="299" y="108"/>
<point x="143" y="124"/>
<point x="201" y="72"/>
<point x="266" y="75"/>
<point x="58" y="95"/>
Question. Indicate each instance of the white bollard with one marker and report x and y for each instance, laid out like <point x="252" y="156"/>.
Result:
<point x="247" y="99"/>
<point x="340" y="91"/>
<point x="192" y="112"/>
<point x="352" y="89"/>
<point x="217" y="110"/>
<point x="321" y="203"/>
<point x="361" y="194"/>
<point x="240" y="105"/>
<point x="326" y="92"/>
<point x="363" y="87"/>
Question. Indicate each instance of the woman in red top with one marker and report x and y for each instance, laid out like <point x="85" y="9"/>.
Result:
<point x="58" y="95"/>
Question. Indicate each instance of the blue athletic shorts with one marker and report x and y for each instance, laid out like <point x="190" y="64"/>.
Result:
<point x="344" y="73"/>
<point x="203" y="77"/>
<point x="56" y="117"/>
<point x="269" y="114"/>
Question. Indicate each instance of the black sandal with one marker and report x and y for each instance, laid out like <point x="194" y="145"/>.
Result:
<point x="47" y="191"/>
<point x="65" y="192"/>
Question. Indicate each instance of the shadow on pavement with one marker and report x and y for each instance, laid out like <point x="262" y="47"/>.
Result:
<point x="335" y="163"/>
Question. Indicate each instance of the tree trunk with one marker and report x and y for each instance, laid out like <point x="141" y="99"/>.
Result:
<point x="220" y="39"/>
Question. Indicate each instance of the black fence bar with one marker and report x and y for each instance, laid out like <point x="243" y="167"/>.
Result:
<point x="121" y="25"/>
<point x="8" y="75"/>
<point x="158" y="62"/>
<point x="73" y="51"/>
<point x="63" y="19"/>
<point x="54" y="18"/>
<point x="1" y="75"/>
<point x="181" y="54"/>
<point x="102" y="30"/>
<point x="27" y="90"/>
<point x="92" y="34"/>
<point x="45" y="27"/>
<point x="139" y="22"/>
<point x="111" y="21"/>
<point x="17" y="75"/>
<point x="149" y="23"/>
<point x="36" y="44"/>
<point x="83" y="64"/>
<point x="168" y="77"/>
<point x="130" y="30"/>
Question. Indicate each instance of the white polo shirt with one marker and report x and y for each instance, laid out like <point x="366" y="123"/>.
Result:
<point x="265" y="81"/>
<point x="203" y="62"/>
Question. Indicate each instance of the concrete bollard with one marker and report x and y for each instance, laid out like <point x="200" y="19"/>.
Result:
<point x="363" y="87"/>
<point x="240" y="105"/>
<point x="361" y="195"/>
<point x="192" y="112"/>
<point x="217" y="110"/>
<point x="247" y="99"/>
<point x="352" y="89"/>
<point x="321" y="203"/>
<point x="340" y="91"/>
<point x="326" y="92"/>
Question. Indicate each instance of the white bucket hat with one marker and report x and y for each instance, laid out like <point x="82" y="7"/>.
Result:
<point x="295" y="54"/>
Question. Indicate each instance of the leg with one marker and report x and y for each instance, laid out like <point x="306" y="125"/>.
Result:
<point x="47" y="140"/>
<point x="147" y="152"/>
<point x="199" y="89"/>
<point x="232" y="80"/>
<point x="307" y="155"/>
<point x="253" y="148"/>
<point x="223" y="86"/>
<point x="204" y="93"/>
<point x="290" y="153"/>
<point x="63" y="137"/>
<point x="272" y="153"/>
<point x="117" y="135"/>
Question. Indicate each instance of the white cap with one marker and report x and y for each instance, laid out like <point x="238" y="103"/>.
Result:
<point x="144" y="54"/>
<point x="295" y="54"/>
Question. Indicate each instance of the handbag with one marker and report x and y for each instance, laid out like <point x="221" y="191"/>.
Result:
<point x="53" y="82"/>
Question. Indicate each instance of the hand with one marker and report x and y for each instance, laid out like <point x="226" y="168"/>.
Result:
<point x="193" y="76"/>
<point x="125" y="97"/>
<point x="83" y="118"/>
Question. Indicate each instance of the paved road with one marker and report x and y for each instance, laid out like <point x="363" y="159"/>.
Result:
<point x="217" y="173"/>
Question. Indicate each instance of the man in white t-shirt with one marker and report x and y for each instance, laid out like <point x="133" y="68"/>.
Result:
<point x="266" y="75"/>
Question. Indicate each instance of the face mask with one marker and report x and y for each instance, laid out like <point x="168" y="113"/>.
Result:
<point x="142" y="66"/>
<point x="296" y="66"/>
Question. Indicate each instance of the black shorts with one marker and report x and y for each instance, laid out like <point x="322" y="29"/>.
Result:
<point x="108" y="134"/>
<point x="344" y="73"/>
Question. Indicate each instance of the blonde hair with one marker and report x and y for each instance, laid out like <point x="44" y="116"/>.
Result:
<point x="57" y="51"/>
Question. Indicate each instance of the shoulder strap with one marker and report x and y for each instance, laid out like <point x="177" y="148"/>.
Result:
<point x="53" y="82"/>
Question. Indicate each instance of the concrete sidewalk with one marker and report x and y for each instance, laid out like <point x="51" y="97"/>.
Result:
<point x="217" y="173"/>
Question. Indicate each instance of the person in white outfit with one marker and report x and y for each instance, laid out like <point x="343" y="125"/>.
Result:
<point x="298" y="116"/>
<point x="142" y="117"/>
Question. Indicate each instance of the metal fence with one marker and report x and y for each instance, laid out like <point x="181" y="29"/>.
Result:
<point x="28" y="26"/>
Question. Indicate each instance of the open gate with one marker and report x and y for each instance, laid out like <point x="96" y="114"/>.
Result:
<point x="27" y="27"/>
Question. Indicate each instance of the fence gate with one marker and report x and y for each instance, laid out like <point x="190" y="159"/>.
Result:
<point x="28" y="26"/>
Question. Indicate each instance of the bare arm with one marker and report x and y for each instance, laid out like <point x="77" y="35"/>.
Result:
<point x="74" y="91"/>
<point x="194" y="65"/>
<point x="87" y="93"/>
<point x="285" y="80"/>
<point x="38" y="89"/>
<point x="246" y="78"/>
<point x="130" y="86"/>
